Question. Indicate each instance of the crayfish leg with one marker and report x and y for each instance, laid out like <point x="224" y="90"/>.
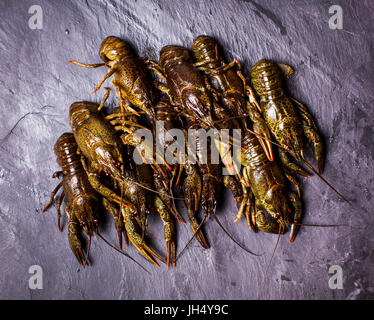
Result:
<point x="118" y="222"/>
<point x="108" y="75"/>
<point x="192" y="190"/>
<point x="293" y="167"/>
<point x="52" y="198"/>
<point x="58" y="206"/>
<point x="298" y="215"/>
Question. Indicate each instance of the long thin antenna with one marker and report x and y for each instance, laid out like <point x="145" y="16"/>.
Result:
<point x="194" y="235"/>
<point x="174" y="208"/>
<point x="147" y="188"/>
<point x="325" y="181"/>
<point x="320" y="225"/>
<point x="88" y="252"/>
<point x="271" y="258"/>
<point x="231" y="237"/>
<point x="121" y="252"/>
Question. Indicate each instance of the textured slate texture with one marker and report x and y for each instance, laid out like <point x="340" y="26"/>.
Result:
<point x="334" y="78"/>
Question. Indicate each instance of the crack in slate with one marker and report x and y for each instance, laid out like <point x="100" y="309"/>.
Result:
<point x="18" y="121"/>
<point x="270" y="15"/>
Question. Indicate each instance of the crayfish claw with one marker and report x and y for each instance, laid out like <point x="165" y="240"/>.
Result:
<point x="137" y="240"/>
<point x="75" y="243"/>
<point x="170" y="253"/>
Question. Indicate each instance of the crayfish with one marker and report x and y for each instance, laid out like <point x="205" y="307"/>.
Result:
<point x="102" y="152"/>
<point x="132" y="83"/>
<point x="83" y="202"/>
<point x="230" y="89"/>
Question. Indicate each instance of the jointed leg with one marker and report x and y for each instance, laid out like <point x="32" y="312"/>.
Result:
<point x="294" y="181"/>
<point x="250" y="211"/>
<point x="228" y="66"/>
<point x="297" y="217"/>
<point x="125" y="107"/>
<point x="158" y="72"/>
<point x="108" y="75"/>
<point x="245" y="204"/>
<point x="118" y="222"/>
<point x="59" y="202"/>
<point x="192" y="187"/>
<point x="105" y="98"/>
<point x="292" y="167"/>
<point x="252" y="98"/>
<point x="53" y="194"/>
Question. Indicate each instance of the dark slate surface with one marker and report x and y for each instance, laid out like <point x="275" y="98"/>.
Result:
<point x="334" y="77"/>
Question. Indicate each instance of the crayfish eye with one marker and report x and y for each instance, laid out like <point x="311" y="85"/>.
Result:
<point x="118" y="164"/>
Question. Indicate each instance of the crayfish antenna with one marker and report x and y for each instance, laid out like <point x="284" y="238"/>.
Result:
<point x="194" y="235"/>
<point x="268" y="265"/>
<point x="232" y="238"/>
<point x="147" y="188"/>
<point x="174" y="210"/>
<point x="324" y="180"/>
<point x="121" y="252"/>
<point x="320" y="225"/>
<point x="88" y="251"/>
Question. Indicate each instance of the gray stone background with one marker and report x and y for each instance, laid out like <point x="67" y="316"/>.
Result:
<point x="334" y="78"/>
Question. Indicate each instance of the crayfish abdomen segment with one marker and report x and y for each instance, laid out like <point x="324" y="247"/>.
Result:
<point x="267" y="79"/>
